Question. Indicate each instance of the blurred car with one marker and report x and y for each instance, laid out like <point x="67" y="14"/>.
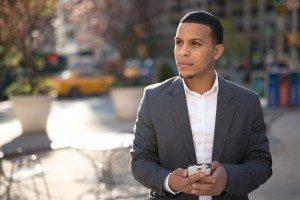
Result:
<point x="75" y="83"/>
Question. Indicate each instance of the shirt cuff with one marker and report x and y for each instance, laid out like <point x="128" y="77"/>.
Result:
<point x="167" y="188"/>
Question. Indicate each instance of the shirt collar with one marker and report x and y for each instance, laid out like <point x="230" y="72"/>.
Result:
<point x="214" y="88"/>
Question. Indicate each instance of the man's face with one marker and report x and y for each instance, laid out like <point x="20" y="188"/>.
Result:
<point x="195" y="51"/>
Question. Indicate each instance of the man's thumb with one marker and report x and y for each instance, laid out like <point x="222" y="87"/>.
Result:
<point x="215" y="165"/>
<point x="180" y="172"/>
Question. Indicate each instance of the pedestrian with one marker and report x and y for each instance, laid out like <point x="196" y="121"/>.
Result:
<point x="199" y="117"/>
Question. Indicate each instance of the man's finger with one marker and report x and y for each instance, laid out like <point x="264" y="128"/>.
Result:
<point x="209" y="179"/>
<point x="202" y="186"/>
<point x="196" y="177"/>
<point x="185" y="173"/>
<point x="215" y="165"/>
<point x="180" y="172"/>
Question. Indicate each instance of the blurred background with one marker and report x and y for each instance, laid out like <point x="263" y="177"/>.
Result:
<point x="89" y="56"/>
<point x="133" y="40"/>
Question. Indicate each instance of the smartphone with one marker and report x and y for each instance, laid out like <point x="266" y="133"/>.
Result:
<point x="204" y="167"/>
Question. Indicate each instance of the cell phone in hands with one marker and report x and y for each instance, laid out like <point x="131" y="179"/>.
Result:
<point x="204" y="167"/>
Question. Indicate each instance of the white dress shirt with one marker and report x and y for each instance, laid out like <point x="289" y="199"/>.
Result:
<point x="202" y="114"/>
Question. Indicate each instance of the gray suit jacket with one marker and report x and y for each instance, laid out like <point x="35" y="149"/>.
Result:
<point x="163" y="139"/>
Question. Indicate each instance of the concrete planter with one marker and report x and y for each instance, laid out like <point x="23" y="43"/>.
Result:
<point x="32" y="112"/>
<point x="126" y="101"/>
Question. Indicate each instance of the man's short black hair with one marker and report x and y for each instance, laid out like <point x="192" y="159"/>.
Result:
<point x="206" y="18"/>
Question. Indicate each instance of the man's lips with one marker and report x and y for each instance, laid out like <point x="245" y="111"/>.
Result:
<point x="184" y="64"/>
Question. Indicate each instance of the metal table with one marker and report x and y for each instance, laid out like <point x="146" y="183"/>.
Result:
<point x="108" y="145"/>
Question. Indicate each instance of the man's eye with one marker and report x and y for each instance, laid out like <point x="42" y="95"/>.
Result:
<point x="178" y="42"/>
<point x="196" y="43"/>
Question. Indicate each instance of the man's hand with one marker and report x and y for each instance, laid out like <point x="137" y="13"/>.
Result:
<point x="180" y="182"/>
<point x="212" y="185"/>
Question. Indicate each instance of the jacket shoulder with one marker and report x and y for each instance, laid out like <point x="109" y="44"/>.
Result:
<point x="239" y="90"/>
<point x="163" y="86"/>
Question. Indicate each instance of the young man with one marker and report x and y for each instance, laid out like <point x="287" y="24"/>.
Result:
<point x="199" y="117"/>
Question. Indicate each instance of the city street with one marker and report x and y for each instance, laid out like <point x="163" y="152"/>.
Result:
<point x="84" y="52"/>
<point x="70" y="173"/>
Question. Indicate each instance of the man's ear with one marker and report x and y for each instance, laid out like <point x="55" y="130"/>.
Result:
<point x="219" y="49"/>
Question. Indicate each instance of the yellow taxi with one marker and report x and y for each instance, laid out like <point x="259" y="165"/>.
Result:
<point x="76" y="83"/>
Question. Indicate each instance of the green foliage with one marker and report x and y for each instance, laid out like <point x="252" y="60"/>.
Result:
<point x="13" y="58"/>
<point x="23" y="26"/>
<point x="24" y="86"/>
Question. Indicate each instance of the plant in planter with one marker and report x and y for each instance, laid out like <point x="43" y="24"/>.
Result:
<point x="128" y="88"/>
<point x="23" y="29"/>
<point x="31" y="105"/>
<point x="24" y="86"/>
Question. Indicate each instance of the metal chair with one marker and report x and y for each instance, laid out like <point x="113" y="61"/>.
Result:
<point x="24" y="168"/>
<point x="108" y="181"/>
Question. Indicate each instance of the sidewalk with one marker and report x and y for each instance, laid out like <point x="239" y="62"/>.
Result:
<point x="284" y="184"/>
<point x="70" y="174"/>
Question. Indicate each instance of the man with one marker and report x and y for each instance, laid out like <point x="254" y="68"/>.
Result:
<point x="199" y="117"/>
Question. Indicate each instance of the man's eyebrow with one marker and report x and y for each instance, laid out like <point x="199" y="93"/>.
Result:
<point x="193" y="39"/>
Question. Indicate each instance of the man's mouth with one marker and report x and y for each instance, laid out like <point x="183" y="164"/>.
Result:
<point x="184" y="64"/>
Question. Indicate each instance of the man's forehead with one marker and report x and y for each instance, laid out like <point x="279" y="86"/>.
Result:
<point x="192" y="30"/>
<point x="193" y="25"/>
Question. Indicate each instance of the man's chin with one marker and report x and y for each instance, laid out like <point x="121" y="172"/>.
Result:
<point x="187" y="76"/>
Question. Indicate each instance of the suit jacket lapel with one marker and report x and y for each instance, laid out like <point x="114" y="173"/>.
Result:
<point x="225" y="112"/>
<point x="180" y="114"/>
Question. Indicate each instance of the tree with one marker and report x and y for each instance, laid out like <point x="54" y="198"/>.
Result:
<point x="131" y="27"/>
<point x="22" y="32"/>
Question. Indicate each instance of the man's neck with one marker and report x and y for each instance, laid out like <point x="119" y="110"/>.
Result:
<point x="201" y="84"/>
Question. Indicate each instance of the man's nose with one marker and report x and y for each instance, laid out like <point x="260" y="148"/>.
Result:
<point x="184" y="51"/>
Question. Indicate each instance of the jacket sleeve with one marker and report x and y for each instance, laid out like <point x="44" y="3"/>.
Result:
<point x="256" y="168"/>
<point x="145" y="164"/>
